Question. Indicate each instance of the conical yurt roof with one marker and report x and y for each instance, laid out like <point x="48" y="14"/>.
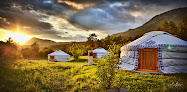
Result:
<point x="59" y="52"/>
<point x="157" y="38"/>
<point x="100" y="50"/>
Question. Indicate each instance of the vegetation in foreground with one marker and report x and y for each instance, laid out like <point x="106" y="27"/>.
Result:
<point x="41" y="75"/>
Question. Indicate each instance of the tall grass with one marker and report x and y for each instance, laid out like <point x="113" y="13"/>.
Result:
<point x="41" y="75"/>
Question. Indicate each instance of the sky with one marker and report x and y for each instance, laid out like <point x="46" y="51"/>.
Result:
<point x="74" y="20"/>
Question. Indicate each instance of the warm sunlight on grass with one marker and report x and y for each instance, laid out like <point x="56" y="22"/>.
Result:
<point x="42" y="75"/>
<point x="17" y="37"/>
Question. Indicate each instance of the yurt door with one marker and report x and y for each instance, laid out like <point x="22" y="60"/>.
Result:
<point x="148" y="59"/>
<point x="94" y="55"/>
<point x="52" y="58"/>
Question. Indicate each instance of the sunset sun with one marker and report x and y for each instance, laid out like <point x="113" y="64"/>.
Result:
<point x="17" y="37"/>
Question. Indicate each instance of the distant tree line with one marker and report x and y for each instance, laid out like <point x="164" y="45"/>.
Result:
<point x="109" y="40"/>
<point x="10" y="50"/>
<point x="178" y="30"/>
<point x="34" y="52"/>
<point x="77" y="49"/>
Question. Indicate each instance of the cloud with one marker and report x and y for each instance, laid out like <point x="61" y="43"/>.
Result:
<point x="15" y="16"/>
<point x="74" y="38"/>
<point x="113" y="16"/>
<point x="51" y="36"/>
<point x="76" y="5"/>
<point x="104" y="18"/>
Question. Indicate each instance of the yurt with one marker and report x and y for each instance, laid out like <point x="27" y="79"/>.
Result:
<point x="156" y="51"/>
<point x="100" y="52"/>
<point x="59" y="56"/>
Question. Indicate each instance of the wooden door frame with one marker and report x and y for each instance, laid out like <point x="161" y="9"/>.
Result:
<point x="52" y="59"/>
<point x="140" y="60"/>
<point x="94" y="55"/>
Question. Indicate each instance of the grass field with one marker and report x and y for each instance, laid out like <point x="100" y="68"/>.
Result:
<point x="41" y="75"/>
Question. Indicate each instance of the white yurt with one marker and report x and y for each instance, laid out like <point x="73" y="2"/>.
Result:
<point x="59" y="56"/>
<point x="156" y="51"/>
<point x="100" y="52"/>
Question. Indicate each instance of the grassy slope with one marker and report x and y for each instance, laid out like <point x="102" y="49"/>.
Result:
<point x="40" y="75"/>
<point x="174" y="15"/>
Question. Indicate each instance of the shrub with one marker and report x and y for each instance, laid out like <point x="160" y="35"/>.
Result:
<point x="77" y="50"/>
<point x="106" y="68"/>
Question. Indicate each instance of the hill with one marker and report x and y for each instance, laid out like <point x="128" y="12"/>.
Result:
<point x="48" y="43"/>
<point x="39" y="41"/>
<point x="174" y="15"/>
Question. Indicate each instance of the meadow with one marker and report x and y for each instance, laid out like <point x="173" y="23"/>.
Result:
<point x="42" y="75"/>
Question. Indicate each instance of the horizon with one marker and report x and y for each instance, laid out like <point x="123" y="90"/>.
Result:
<point x="70" y="21"/>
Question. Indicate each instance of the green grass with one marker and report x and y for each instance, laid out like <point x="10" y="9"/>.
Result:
<point x="41" y="75"/>
<point x="81" y="59"/>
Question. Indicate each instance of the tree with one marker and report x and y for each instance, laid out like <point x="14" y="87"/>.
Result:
<point x="26" y="52"/>
<point x="98" y="44"/>
<point x="182" y="27"/>
<point x="35" y="49"/>
<point x="158" y="29"/>
<point x="77" y="50"/>
<point x="46" y="51"/>
<point x="169" y="27"/>
<point x="172" y="28"/>
<point x="117" y="39"/>
<point x="106" y="68"/>
<point x="118" y="47"/>
<point x="88" y="47"/>
<point x="9" y="50"/>
<point x="92" y="37"/>
<point x="107" y="41"/>
<point x="91" y="43"/>
<point x="165" y="26"/>
<point x="126" y="39"/>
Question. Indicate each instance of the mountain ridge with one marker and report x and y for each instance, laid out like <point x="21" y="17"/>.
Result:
<point x="174" y="15"/>
<point x="39" y="41"/>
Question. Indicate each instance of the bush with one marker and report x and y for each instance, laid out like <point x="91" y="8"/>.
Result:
<point x="106" y="68"/>
<point x="77" y="50"/>
<point x="9" y="50"/>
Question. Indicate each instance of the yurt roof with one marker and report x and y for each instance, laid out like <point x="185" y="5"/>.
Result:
<point x="100" y="50"/>
<point x="59" y="52"/>
<point x="157" y="38"/>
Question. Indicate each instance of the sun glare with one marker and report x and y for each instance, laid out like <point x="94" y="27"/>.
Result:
<point x="20" y="38"/>
<point x="17" y="37"/>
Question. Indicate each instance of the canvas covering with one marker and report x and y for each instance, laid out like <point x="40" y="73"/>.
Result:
<point x="172" y="52"/>
<point x="100" y="52"/>
<point x="59" y="56"/>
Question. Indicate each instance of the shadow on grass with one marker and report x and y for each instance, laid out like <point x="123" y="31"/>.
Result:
<point x="178" y="75"/>
<point x="79" y="60"/>
<point x="36" y="58"/>
<point x="9" y="80"/>
<point x="61" y="67"/>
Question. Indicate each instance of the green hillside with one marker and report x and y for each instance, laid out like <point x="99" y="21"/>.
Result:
<point x="174" y="15"/>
